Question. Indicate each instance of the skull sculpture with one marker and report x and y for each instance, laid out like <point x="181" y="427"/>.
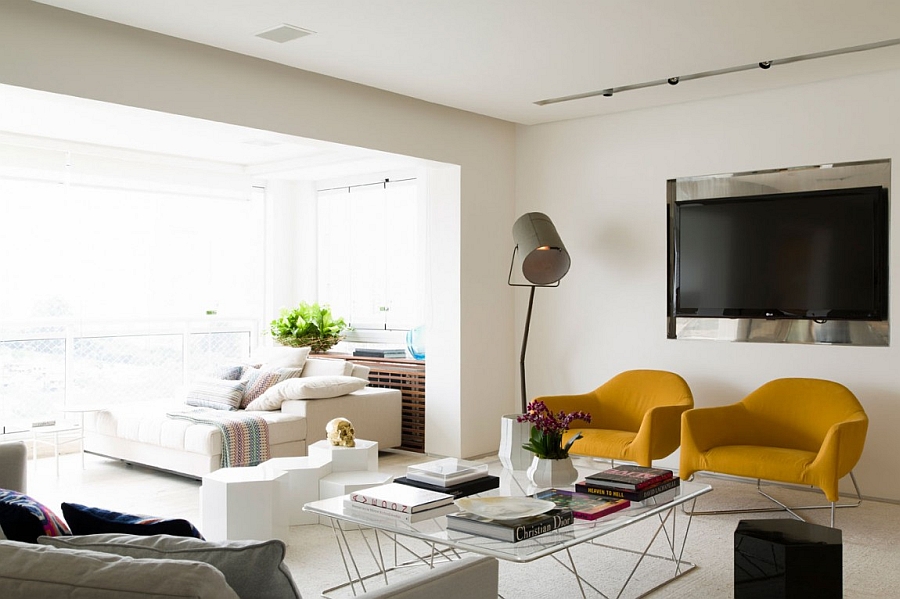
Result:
<point x="340" y="432"/>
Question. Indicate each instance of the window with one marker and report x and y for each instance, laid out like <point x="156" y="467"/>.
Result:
<point x="116" y="287"/>
<point x="370" y="245"/>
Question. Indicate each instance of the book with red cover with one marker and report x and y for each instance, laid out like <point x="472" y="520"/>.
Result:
<point x="583" y="505"/>
<point x="629" y="477"/>
<point x="586" y="486"/>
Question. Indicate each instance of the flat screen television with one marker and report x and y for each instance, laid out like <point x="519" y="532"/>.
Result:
<point x="817" y="255"/>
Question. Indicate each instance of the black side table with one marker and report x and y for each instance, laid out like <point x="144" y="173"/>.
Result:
<point x="787" y="559"/>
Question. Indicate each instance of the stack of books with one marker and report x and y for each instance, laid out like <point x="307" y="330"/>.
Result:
<point x="453" y="476"/>
<point x="583" y="505"/>
<point x="401" y="502"/>
<point x="634" y="483"/>
<point x="379" y="353"/>
<point x="511" y="531"/>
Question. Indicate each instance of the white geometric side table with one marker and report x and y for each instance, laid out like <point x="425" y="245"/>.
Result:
<point x="303" y="475"/>
<point x="244" y="503"/>
<point x="346" y="459"/>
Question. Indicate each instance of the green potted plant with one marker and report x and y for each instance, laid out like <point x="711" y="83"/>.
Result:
<point x="309" y="325"/>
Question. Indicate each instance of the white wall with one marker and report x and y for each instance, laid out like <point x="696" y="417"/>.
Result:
<point x="49" y="49"/>
<point x="603" y="182"/>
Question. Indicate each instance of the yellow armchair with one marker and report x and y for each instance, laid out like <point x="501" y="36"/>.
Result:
<point x="635" y="416"/>
<point x="792" y="430"/>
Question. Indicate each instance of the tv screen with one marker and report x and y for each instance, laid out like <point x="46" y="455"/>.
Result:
<point x="815" y="255"/>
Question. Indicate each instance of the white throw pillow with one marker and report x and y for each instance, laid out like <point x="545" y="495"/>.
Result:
<point x="315" y="387"/>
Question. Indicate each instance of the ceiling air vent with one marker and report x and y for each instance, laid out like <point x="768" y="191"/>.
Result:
<point x="284" y="33"/>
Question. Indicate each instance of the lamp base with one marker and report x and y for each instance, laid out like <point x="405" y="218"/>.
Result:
<point x="513" y="435"/>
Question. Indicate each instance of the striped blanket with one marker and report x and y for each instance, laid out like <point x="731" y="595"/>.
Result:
<point x="245" y="437"/>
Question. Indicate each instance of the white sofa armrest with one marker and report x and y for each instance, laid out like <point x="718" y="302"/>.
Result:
<point x="471" y="577"/>
<point x="13" y="457"/>
<point x="376" y="414"/>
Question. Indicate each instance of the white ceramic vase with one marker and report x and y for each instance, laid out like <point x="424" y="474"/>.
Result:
<point x="513" y="435"/>
<point x="552" y="473"/>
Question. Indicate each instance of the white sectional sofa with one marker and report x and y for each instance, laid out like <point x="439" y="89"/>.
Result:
<point x="143" y="433"/>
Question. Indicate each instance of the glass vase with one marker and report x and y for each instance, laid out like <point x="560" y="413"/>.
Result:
<point x="415" y="342"/>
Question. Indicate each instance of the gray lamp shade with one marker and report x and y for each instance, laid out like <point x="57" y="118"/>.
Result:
<point x="544" y="257"/>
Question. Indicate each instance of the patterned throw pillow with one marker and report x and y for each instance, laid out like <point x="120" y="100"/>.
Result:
<point x="218" y="394"/>
<point x="228" y="372"/>
<point x="24" y="519"/>
<point x="258" y="381"/>
<point x="86" y="520"/>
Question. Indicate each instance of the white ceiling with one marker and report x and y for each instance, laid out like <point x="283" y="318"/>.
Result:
<point x="498" y="57"/>
<point x="492" y="57"/>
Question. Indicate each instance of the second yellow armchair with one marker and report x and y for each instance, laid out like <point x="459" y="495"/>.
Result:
<point x="791" y="430"/>
<point x="635" y="416"/>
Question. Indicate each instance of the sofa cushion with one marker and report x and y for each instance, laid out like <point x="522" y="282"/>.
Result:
<point x="84" y="520"/>
<point x="327" y="367"/>
<point x="280" y="356"/>
<point x="41" y="571"/>
<point x="24" y="519"/>
<point x="147" y="423"/>
<point x="254" y="569"/>
<point x="219" y="394"/>
<point x="315" y="387"/>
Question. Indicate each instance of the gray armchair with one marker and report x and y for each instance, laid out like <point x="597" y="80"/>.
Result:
<point x="13" y="459"/>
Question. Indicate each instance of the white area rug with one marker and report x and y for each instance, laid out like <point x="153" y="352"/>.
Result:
<point x="870" y="550"/>
<point x="870" y="534"/>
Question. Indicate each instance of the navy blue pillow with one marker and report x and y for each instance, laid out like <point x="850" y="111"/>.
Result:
<point x="84" y="520"/>
<point x="24" y="519"/>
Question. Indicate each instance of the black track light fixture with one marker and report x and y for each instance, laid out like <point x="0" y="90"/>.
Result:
<point x="765" y="64"/>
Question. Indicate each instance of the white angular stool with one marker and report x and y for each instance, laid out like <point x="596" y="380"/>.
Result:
<point x="244" y="503"/>
<point x="347" y="459"/>
<point x="303" y="475"/>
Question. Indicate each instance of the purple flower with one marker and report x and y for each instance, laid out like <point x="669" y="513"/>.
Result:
<point x="548" y="428"/>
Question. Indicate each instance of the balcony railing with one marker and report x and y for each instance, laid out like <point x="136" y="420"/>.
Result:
<point x="44" y="368"/>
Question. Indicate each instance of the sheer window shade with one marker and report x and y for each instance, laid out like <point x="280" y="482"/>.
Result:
<point x="368" y="247"/>
<point x="102" y="238"/>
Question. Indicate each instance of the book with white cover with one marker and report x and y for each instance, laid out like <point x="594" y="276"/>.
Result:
<point x="409" y="518"/>
<point x="401" y="498"/>
<point x="446" y="472"/>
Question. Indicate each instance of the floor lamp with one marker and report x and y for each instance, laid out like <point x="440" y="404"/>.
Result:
<point x="544" y="262"/>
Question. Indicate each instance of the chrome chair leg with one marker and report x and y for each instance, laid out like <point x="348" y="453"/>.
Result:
<point x="781" y="506"/>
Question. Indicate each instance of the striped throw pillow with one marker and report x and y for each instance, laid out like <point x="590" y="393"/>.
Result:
<point x="258" y="381"/>
<point x="218" y="394"/>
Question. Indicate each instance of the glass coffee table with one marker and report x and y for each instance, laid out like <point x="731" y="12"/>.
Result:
<point x="663" y="525"/>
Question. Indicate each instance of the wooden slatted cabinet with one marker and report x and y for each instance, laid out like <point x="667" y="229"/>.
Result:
<point x="408" y="376"/>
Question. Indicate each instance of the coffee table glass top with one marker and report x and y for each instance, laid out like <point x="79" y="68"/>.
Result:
<point x="435" y="530"/>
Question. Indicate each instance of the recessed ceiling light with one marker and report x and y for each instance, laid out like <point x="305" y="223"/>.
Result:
<point x="284" y="33"/>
